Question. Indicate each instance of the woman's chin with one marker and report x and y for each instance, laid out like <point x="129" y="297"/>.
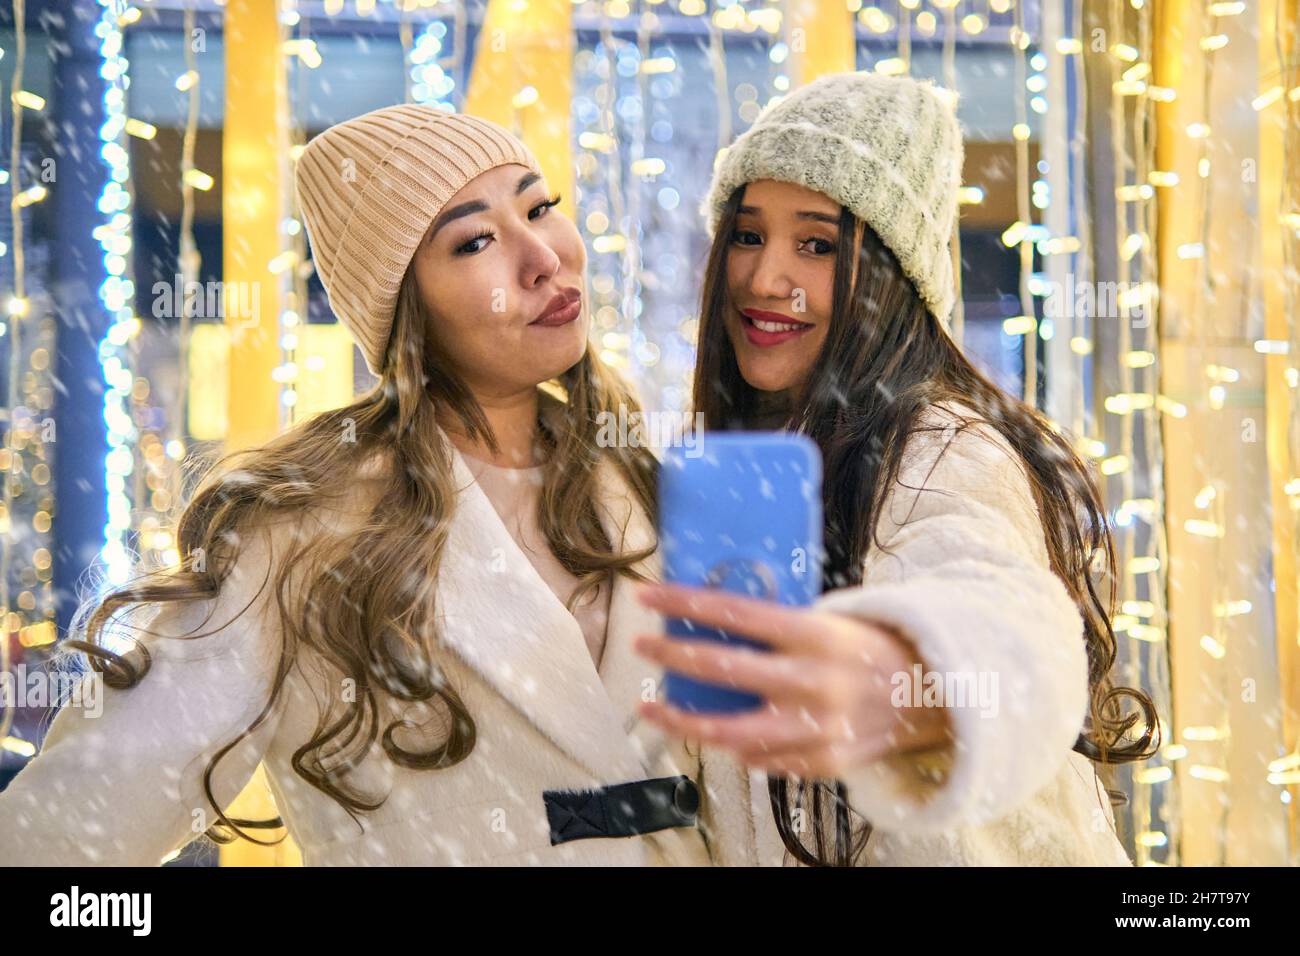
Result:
<point x="767" y="378"/>
<point x="559" y="357"/>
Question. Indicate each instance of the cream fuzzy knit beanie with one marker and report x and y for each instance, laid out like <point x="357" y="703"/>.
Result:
<point x="887" y="147"/>
<point x="369" y="189"/>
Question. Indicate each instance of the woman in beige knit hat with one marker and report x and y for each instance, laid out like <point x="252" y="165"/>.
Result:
<point x="960" y="527"/>
<point x="415" y="610"/>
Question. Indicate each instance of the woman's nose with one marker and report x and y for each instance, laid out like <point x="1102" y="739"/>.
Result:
<point x="539" y="260"/>
<point x="770" y="278"/>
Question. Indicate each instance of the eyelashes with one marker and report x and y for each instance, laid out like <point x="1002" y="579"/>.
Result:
<point x="485" y="233"/>
<point x="464" y="250"/>
<point x="739" y="234"/>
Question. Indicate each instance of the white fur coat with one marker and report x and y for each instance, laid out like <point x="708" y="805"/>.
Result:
<point x="962" y="571"/>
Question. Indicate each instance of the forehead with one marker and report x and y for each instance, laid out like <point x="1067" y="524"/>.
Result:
<point x="774" y="196"/>
<point x="497" y="182"/>
<point x="480" y="194"/>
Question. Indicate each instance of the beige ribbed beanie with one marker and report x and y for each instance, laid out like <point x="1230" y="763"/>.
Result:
<point x="887" y="147"/>
<point x="370" y="187"/>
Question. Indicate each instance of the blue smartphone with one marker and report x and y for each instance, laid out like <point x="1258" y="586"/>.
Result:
<point x="742" y="512"/>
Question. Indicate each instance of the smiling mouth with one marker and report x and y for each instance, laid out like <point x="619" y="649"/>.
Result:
<point x="768" y="328"/>
<point x="768" y="325"/>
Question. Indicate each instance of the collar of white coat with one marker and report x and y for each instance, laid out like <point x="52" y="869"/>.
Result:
<point x="497" y="613"/>
<point x="534" y="655"/>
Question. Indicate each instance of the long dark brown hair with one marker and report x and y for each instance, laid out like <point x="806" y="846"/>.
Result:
<point x="349" y="598"/>
<point x="885" y="362"/>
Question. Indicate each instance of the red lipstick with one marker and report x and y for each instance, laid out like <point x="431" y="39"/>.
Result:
<point x="766" y="329"/>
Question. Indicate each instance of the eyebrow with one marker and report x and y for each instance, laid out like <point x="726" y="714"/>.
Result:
<point x="803" y="214"/>
<point x="477" y="205"/>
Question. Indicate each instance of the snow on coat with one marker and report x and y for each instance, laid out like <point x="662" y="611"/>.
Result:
<point x="125" y="788"/>
<point x="962" y="571"/>
<point x="963" y="574"/>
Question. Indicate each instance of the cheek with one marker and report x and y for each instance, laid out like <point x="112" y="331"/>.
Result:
<point x="469" y="291"/>
<point x="819" y="289"/>
<point x="568" y="245"/>
<point x="461" y="312"/>
<point x="814" y="341"/>
<point x="737" y="277"/>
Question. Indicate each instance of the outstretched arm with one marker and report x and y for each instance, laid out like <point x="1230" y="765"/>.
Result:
<point x="960" y="589"/>
<point x="963" y="577"/>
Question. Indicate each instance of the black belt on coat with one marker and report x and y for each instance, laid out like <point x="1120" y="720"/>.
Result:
<point x="621" y="810"/>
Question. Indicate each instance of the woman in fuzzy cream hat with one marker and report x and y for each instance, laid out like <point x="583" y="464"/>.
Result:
<point x="959" y="526"/>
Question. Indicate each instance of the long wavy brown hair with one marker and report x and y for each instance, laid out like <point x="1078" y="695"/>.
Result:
<point x="886" y="360"/>
<point x="359" y="614"/>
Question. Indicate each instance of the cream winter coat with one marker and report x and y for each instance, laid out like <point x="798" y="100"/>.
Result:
<point x="963" y="574"/>
<point x="126" y="788"/>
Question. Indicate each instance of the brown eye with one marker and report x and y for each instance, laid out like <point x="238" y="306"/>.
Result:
<point x="823" y="246"/>
<point x="540" y="208"/>
<point x="465" y="250"/>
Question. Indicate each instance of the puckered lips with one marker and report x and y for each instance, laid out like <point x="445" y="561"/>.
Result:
<point x="561" y="310"/>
